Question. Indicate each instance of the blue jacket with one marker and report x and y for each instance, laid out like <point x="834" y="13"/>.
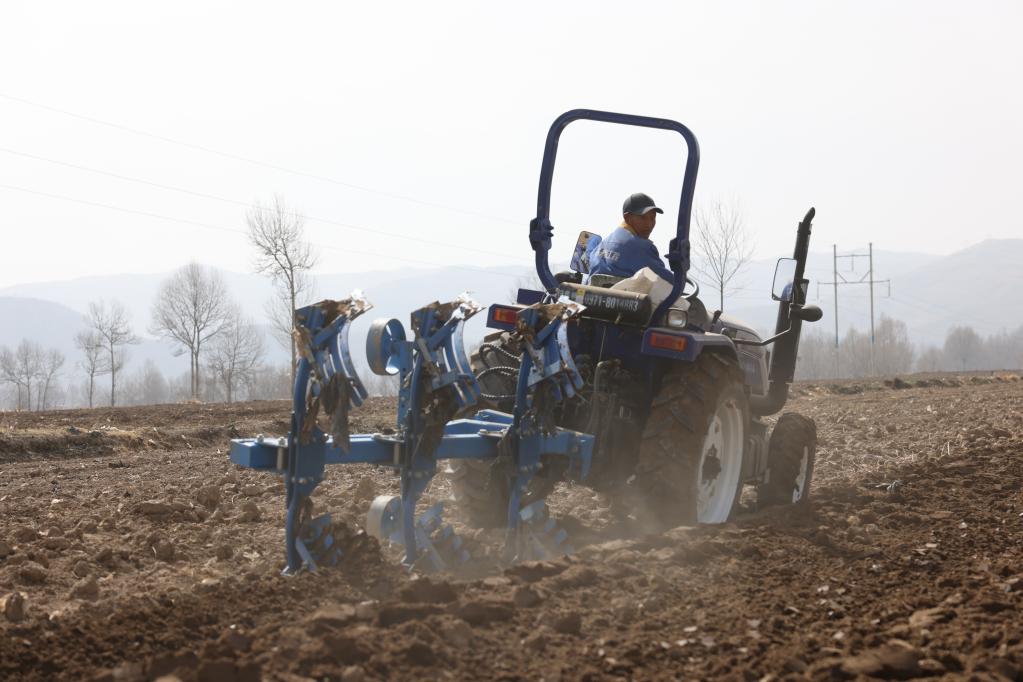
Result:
<point x="623" y="254"/>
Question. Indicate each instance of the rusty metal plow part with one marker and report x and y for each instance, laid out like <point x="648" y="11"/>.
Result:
<point x="334" y="387"/>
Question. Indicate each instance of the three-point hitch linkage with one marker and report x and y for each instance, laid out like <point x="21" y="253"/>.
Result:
<point x="437" y="393"/>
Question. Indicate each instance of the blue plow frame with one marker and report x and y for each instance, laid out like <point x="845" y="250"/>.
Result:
<point x="435" y="382"/>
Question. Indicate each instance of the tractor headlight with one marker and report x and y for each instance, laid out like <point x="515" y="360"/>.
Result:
<point x="677" y="319"/>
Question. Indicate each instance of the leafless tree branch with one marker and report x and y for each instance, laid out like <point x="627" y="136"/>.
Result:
<point x="94" y="361"/>
<point x="283" y="255"/>
<point x="110" y="324"/>
<point x="235" y="355"/>
<point x="722" y="246"/>
<point x="191" y="308"/>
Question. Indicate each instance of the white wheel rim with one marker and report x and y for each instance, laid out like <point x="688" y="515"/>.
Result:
<point x="800" y="485"/>
<point x="720" y="464"/>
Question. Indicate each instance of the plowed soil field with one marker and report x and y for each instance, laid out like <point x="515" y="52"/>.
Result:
<point x="132" y="549"/>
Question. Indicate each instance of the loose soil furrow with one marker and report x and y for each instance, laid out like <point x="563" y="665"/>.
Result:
<point x="907" y="563"/>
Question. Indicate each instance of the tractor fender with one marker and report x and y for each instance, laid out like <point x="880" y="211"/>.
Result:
<point x="686" y="346"/>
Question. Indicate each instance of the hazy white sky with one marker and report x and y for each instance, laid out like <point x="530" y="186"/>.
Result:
<point x="899" y="121"/>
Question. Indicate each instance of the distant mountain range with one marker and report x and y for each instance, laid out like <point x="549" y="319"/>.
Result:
<point x="979" y="286"/>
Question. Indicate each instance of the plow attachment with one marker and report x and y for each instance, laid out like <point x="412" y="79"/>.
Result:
<point x="435" y="421"/>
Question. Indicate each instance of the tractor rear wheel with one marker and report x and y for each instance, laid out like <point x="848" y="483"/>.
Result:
<point x="790" y="459"/>
<point x="691" y="454"/>
<point x="482" y="489"/>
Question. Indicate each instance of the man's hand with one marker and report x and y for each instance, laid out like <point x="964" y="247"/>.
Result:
<point x="683" y="254"/>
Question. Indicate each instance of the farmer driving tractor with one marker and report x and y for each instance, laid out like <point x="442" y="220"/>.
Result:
<point x="628" y="249"/>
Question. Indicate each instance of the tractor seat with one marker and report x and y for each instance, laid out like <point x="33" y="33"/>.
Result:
<point x="612" y="305"/>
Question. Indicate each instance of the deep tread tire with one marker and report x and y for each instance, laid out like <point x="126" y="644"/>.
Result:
<point x="481" y="489"/>
<point x="665" y="489"/>
<point x="496" y="351"/>
<point x="793" y="436"/>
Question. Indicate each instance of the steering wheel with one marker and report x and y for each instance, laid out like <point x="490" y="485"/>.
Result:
<point x="692" y="294"/>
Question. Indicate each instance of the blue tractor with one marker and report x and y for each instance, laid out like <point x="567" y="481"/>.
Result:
<point x="673" y="395"/>
<point x="637" y="392"/>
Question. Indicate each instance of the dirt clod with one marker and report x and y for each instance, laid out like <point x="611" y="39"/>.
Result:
<point x="427" y="591"/>
<point x="155" y="509"/>
<point x="32" y="573"/>
<point x="526" y="596"/>
<point x="208" y="496"/>
<point x="250" y="513"/>
<point x="570" y="623"/>
<point x="13" y="607"/>
<point x="891" y="661"/>
<point x="86" y="588"/>
<point x="485" y="611"/>
<point x="163" y="549"/>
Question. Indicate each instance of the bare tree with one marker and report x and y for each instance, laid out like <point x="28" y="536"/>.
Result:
<point x="816" y="356"/>
<point x="145" y="386"/>
<point x="270" y="382"/>
<point x="191" y="308"/>
<point x="281" y="313"/>
<point x="235" y="354"/>
<point x="50" y="363"/>
<point x="722" y="246"/>
<point x="1004" y="350"/>
<point x="962" y="345"/>
<point x="152" y="384"/>
<point x="531" y="282"/>
<point x="283" y="255"/>
<point x="893" y="353"/>
<point x="111" y="325"/>
<point x="94" y="361"/>
<point x="931" y="359"/>
<point x="21" y="367"/>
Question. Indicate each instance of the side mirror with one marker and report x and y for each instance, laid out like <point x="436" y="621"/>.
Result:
<point x="585" y="245"/>
<point x="784" y="273"/>
<point x="806" y="313"/>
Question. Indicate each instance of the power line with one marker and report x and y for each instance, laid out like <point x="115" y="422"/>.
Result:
<point x="256" y="162"/>
<point x="213" y="197"/>
<point x="185" y="221"/>
<point x="867" y="278"/>
<point x="932" y="309"/>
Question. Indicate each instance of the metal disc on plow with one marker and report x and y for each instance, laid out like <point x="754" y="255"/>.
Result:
<point x="380" y="350"/>
<point x="383" y="520"/>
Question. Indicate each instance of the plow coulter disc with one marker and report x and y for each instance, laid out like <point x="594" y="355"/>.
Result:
<point x="439" y="548"/>
<point x="381" y="351"/>
<point x="383" y="520"/>
<point x="539" y="536"/>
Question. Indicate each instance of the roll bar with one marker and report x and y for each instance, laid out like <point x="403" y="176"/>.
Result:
<point x="541" y="230"/>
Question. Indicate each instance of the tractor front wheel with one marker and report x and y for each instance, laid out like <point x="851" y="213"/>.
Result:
<point x="790" y="459"/>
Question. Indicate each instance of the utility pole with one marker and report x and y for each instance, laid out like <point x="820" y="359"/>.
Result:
<point x="870" y="274"/>
<point x="834" y="278"/>
<point x="867" y="279"/>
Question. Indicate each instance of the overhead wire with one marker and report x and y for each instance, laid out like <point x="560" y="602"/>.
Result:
<point x="931" y="309"/>
<point x="257" y="162"/>
<point x="196" y="223"/>
<point x="213" y="197"/>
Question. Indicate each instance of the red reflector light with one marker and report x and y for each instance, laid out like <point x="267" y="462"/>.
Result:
<point x="668" y="342"/>
<point x="506" y="315"/>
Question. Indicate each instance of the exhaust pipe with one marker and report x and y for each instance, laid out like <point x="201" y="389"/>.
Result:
<point x="787" y="328"/>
